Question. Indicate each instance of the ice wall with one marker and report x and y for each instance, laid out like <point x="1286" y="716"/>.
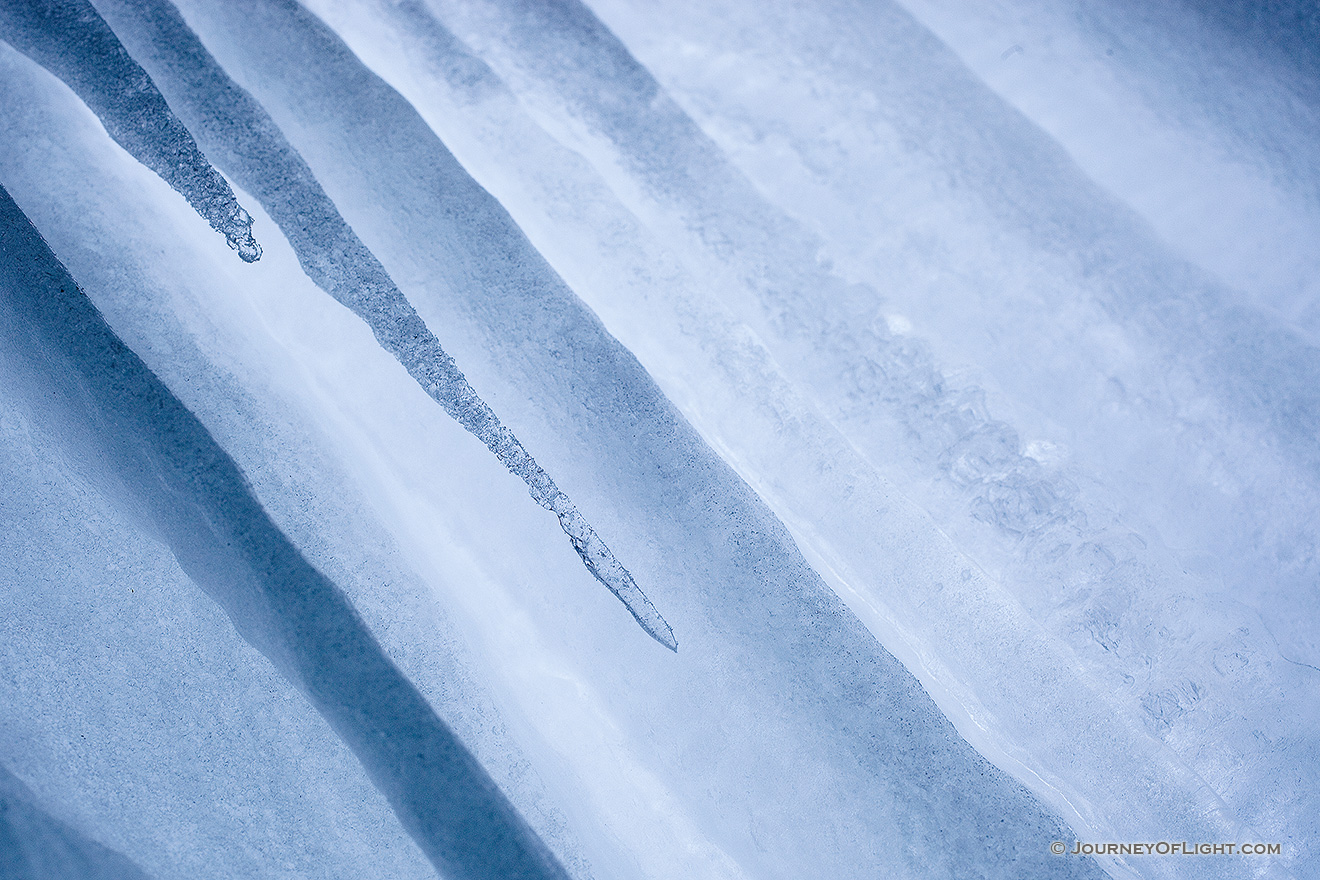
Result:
<point x="977" y="494"/>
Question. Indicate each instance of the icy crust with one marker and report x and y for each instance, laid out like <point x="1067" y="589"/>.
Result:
<point x="202" y="507"/>
<point x="71" y="40"/>
<point x="246" y="143"/>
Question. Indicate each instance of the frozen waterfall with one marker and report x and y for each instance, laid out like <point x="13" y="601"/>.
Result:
<point x="943" y="377"/>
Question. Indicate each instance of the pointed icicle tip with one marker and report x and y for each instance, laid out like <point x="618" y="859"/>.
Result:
<point x="665" y="636"/>
<point x="246" y="245"/>
<point x="601" y="562"/>
<point x="238" y="232"/>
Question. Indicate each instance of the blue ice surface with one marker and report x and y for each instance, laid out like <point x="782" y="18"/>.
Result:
<point x="782" y="672"/>
<point x="796" y="742"/>
<point x="37" y="846"/>
<point x="1285" y="29"/>
<point x="201" y="506"/>
<point x="1105" y="584"/>
<point x="1263" y="370"/>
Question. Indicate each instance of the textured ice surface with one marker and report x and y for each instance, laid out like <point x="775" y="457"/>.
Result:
<point x="196" y="502"/>
<point x="34" y="845"/>
<point x="976" y="470"/>
<point x="881" y="387"/>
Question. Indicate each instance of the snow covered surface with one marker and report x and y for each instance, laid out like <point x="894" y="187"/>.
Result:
<point x="939" y="378"/>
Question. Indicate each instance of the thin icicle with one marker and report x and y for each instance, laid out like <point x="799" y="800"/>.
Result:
<point x="242" y="138"/>
<point x="72" y="41"/>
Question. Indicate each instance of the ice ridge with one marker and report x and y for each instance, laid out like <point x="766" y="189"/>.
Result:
<point x="201" y="506"/>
